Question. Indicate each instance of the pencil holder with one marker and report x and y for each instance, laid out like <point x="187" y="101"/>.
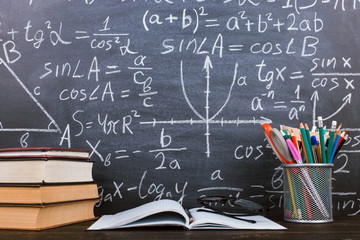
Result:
<point x="307" y="193"/>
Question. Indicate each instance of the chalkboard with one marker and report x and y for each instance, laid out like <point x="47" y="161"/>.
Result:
<point x="169" y="96"/>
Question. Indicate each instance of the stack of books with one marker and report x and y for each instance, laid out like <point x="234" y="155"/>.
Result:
<point x="45" y="187"/>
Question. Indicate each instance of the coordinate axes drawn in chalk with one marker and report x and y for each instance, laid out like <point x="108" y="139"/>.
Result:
<point x="345" y="101"/>
<point x="51" y="128"/>
<point x="207" y="119"/>
<point x="315" y="98"/>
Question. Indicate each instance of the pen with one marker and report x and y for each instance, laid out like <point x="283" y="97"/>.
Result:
<point x="191" y="219"/>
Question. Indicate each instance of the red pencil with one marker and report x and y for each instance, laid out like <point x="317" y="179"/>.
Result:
<point x="341" y="138"/>
<point x="307" y="203"/>
<point x="293" y="139"/>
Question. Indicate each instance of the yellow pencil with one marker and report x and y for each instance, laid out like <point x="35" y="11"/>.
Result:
<point x="292" y="194"/>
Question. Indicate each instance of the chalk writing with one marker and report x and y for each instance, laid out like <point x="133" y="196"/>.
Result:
<point x="169" y="96"/>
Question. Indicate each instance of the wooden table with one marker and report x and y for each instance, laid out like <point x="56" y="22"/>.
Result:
<point x="342" y="228"/>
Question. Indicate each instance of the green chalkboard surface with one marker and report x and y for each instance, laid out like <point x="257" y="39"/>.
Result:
<point x="170" y="96"/>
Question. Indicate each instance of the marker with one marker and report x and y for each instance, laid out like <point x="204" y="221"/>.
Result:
<point x="331" y="141"/>
<point x="322" y="142"/>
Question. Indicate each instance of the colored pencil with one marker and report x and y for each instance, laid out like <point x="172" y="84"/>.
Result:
<point x="341" y="144"/>
<point x="306" y="143"/>
<point x="322" y="141"/>
<point x="308" y="135"/>
<point x="303" y="149"/>
<point x="331" y="141"/>
<point x="336" y="141"/>
<point x="293" y="139"/>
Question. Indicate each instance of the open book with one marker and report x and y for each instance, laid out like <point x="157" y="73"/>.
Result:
<point x="168" y="212"/>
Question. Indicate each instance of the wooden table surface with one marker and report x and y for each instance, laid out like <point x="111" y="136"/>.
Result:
<point x="342" y="228"/>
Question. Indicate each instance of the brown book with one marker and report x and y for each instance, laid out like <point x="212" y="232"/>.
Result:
<point x="43" y="216"/>
<point x="45" y="194"/>
<point x="44" y="152"/>
<point x="45" y="170"/>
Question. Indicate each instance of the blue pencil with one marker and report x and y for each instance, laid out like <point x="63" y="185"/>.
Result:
<point x="333" y="150"/>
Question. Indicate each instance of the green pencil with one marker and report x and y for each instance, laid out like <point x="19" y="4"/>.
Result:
<point x="306" y="143"/>
<point x="322" y="141"/>
<point x="307" y="131"/>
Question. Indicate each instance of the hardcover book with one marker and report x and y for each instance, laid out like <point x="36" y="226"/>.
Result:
<point x="43" y="216"/>
<point x="45" y="170"/>
<point x="45" y="194"/>
<point x="44" y="152"/>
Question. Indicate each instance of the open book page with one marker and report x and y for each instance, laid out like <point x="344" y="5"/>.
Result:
<point x="206" y="220"/>
<point x="158" y="213"/>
